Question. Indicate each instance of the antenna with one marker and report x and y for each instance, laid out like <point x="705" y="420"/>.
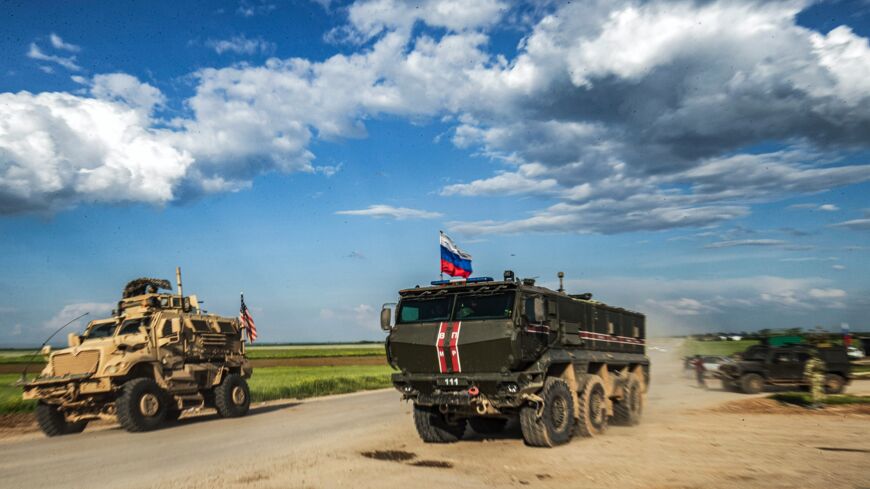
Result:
<point x="561" y="276"/>
<point x="178" y="281"/>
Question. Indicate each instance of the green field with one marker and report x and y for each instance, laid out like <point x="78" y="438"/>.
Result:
<point x="804" y="399"/>
<point x="694" y="347"/>
<point x="266" y="384"/>
<point x="314" y="351"/>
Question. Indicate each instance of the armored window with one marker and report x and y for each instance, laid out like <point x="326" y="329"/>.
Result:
<point x="200" y="325"/>
<point x="166" y="329"/>
<point x="635" y="331"/>
<point x="425" y="310"/>
<point x="101" y="330"/>
<point x="226" y="327"/>
<point x="130" y="326"/>
<point x="610" y="327"/>
<point x="496" y="306"/>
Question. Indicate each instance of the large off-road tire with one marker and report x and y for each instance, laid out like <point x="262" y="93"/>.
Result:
<point x="592" y="406"/>
<point x="627" y="411"/>
<point x="232" y="398"/>
<point x="53" y="423"/>
<point x="433" y="427"/>
<point x="141" y="406"/>
<point x="487" y="426"/>
<point x="751" y="383"/>
<point x="834" y="384"/>
<point x="555" y="426"/>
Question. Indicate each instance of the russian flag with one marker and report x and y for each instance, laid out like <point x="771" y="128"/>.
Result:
<point x="454" y="262"/>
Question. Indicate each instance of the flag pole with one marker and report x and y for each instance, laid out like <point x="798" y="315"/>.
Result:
<point x="441" y="272"/>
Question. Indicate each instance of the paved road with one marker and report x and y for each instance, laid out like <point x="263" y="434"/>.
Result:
<point x="115" y="458"/>
<point x="323" y="443"/>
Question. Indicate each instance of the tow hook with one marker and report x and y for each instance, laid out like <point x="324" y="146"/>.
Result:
<point x="537" y="400"/>
<point x="473" y="391"/>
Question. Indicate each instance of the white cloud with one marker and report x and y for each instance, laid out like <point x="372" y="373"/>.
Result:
<point x="854" y="224"/>
<point x="361" y="316"/>
<point x="838" y="267"/>
<point x="827" y="293"/>
<point x="626" y="116"/>
<point x="745" y="242"/>
<point x="60" y="149"/>
<point x="59" y="43"/>
<point x="69" y="312"/>
<point x="68" y="62"/>
<point x="398" y="213"/>
<point x="828" y="208"/>
<point x="241" y="45"/>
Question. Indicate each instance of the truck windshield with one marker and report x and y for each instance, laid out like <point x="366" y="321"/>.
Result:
<point x="425" y="310"/>
<point x="100" y="330"/>
<point x="495" y="306"/>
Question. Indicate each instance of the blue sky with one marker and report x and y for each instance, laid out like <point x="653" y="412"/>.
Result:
<point x="705" y="163"/>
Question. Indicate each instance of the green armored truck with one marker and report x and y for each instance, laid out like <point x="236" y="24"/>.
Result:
<point x="158" y="354"/>
<point x="478" y="352"/>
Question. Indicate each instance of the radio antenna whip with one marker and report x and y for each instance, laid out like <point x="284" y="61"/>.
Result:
<point x="30" y="360"/>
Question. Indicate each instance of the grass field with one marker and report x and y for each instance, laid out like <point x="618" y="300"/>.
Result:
<point x="694" y="347"/>
<point x="266" y="384"/>
<point x="804" y="399"/>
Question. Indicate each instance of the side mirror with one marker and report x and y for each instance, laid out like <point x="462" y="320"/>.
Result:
<point x="74" y="340"/>
<point x="46" y="350"/>
<point x="539" y="310"/>
<point x="386" y="317"/>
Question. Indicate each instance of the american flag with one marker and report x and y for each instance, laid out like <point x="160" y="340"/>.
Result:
<point x="247" y="322"/>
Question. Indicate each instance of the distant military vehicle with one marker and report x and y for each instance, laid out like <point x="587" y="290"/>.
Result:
<point x="762" y="365"/>
<point x="478" y="352"/>
<point x="157" y="355"/>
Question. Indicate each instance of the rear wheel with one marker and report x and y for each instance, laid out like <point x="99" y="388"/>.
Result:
<point x="434" y="427"/>
<point x="232" y="397"/>
<point x="751" y="383"/>
<point x="834" y="384"/>
<point x="593" y="408"/>
<point x="52" y="422"/>
<point x="627" y="411"/>
<point x="555" y="425"/>
<point x="487" y="426"/>
<point x="141" y="406"/>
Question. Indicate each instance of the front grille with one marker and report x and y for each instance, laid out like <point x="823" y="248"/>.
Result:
<point x="213" y="340"/>
<point x="70" y="364"/>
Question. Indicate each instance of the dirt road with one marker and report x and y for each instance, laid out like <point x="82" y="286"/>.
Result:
<point x="682" y="443"/>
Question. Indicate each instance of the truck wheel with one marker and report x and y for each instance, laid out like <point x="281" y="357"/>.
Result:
<point x="53" y="423"/>
<point x="232" y="398"/>
<point x="627" y="411"/>
<point x="433" y="427"/>
<point x="751" y="383"/>
<point x="834" y="384"/>
<point x="592" y="408"/>
<point x="555" y="426"/>
<point x="487" y="426"/>
<point x="141" y="406"/>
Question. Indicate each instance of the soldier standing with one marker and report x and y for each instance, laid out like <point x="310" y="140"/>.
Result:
<point x="698" y="363"/>
<point x="814" y="375"/>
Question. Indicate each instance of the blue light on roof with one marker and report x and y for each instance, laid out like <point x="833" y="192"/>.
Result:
<point x="474" y="280"/>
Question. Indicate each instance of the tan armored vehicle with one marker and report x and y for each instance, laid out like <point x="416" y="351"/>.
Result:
<point x="158" y="355"/>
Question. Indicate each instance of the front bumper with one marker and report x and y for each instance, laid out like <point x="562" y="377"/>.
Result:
<point x="466" y="390"/>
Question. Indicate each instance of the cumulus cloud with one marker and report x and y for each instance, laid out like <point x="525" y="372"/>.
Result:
<point x="58" y="149"/>
<point x="241" y="45"/>
<point x="399" y="213"/>
<point x="625" y="116"/>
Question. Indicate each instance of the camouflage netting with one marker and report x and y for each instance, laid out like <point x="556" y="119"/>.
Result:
<point x="140" y="286"/>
